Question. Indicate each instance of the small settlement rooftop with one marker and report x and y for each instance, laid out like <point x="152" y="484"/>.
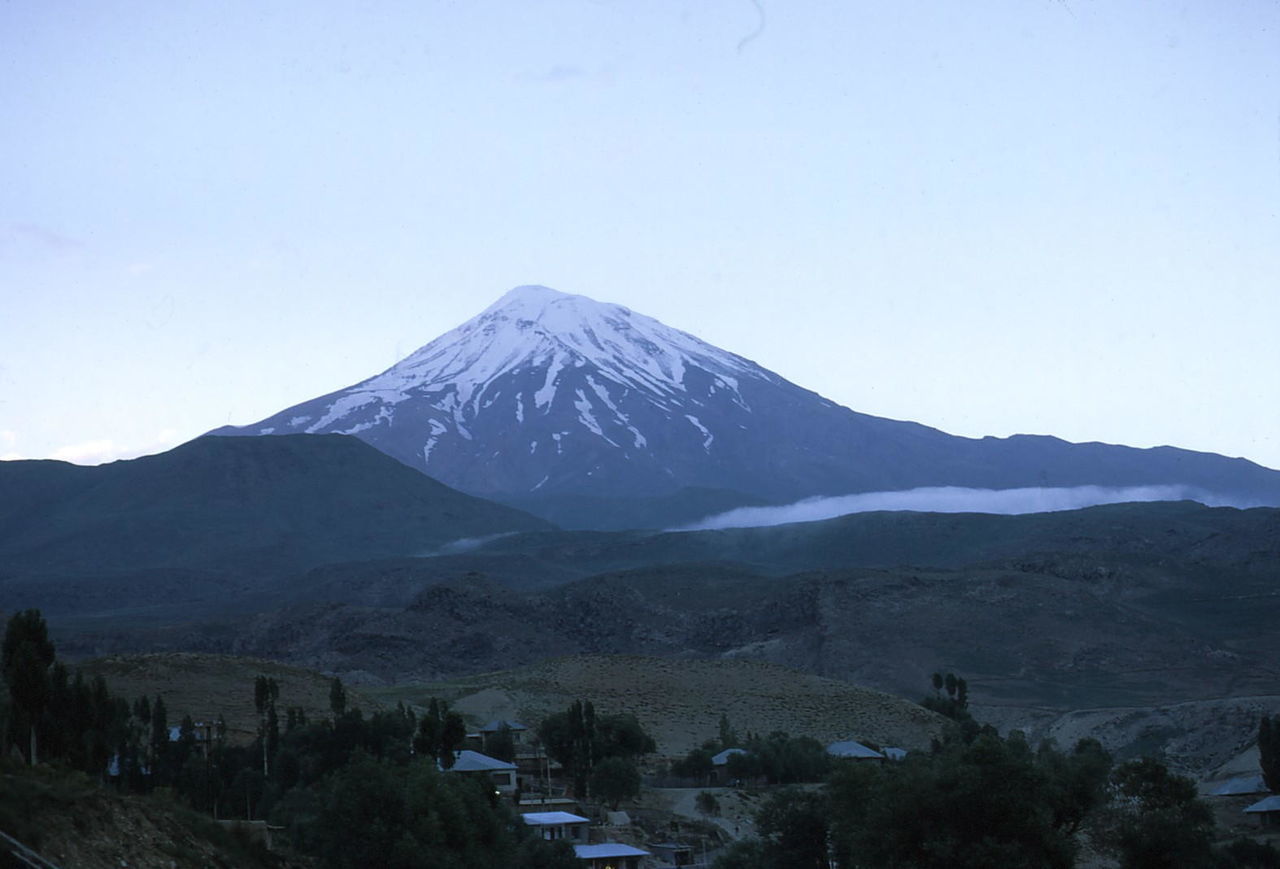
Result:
<point x="853" y="750"/>
<point x="558" y="825"/>
<point x="610" y="855"/>
<point x="473" y="761"/>
<point x="500" y="773"/>
<point x="1267" y="811"/>
<point x="1247" y="784"/>
<point x="722" y="758"/>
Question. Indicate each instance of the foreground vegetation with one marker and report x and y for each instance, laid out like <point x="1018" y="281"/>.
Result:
<point x="978" y="800"/>
<point x="355" y="790"/>
<point x="351" y="791"/>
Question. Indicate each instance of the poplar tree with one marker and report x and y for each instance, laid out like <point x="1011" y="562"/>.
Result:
<point x="26" y="657"/>
<point x="1269" y="751"/>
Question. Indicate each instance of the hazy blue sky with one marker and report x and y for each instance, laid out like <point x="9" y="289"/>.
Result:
<point x="1048" y="216"/>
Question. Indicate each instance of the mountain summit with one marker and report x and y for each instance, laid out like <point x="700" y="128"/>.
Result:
<point x="547" y="395"/>
<point x="545" y="391"/>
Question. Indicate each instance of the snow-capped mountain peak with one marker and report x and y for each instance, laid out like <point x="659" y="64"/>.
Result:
<point x="550" y="366"/>
<point x="538" y="328"/>
<point x="546" y="394"/>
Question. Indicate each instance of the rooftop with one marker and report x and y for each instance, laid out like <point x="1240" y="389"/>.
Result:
<point x="723" y="757"/>
<point x="1248" y="784"/>
<point x="542" y="819"/>
<point x="1270" y="804"/>
<point x="856" y="750"/>
<point x="473" y="761"/>
<point x="608" y="849"/>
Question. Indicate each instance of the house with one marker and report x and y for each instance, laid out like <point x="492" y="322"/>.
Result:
<point x="518" y="731"/>
<point x="850" y="750"/>
<point x="554" y="826"/>
<point x="720" y="764"/>
<point x="673" y="853"/>
<point x="201" y="731"/>
<point x="1268" y="811"/>
<point x="610" y="855"/>
<point x="499" y="772"/>
<point x="722" y="759"/>
<point x="479" y="740"/>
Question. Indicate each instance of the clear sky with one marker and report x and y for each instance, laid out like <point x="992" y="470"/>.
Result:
<point x="1046" y="216"/>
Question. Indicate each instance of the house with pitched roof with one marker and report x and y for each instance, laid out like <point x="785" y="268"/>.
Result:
<point x="499" y="773"/>
<point x="1267" y="812"/>
<point x="850" y="750"/>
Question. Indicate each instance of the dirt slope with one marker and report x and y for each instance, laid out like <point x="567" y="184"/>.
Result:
<point x="680" y="701"/>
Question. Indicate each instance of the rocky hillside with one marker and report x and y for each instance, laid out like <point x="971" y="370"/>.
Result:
<point x="680" y="702"/>
<point x="75" y="824"/>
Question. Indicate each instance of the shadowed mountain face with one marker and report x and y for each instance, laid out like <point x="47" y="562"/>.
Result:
<point x="573" y="409"/>
<point x="183" y="523"/>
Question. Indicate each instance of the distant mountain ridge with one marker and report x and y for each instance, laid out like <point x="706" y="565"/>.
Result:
<point x="262" y="507"/>
<point x="546" y="396"/>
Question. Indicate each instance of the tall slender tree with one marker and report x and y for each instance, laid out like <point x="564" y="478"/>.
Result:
<point x="1269" y="751"/>
<point x="26" y="657"/>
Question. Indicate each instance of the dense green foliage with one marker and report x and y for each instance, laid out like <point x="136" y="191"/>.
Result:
<point x="501" y="744"/>
<point x="579" y="740"/>
<point x="989" y="802"/>
<point x="50" y="714"/>
<point x="371" y="813"/>
<point x="440" y="733"/>
<point x="349" y="790"/>
<point x="954" y="704"/>
<point x="1156" y="819"/>
<point x="615" y="779"/>
<point x="779" y="758"/>
<point x="978" y="800"/>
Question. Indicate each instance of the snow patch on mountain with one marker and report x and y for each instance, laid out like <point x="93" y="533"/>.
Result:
<point x="707" y="437"/>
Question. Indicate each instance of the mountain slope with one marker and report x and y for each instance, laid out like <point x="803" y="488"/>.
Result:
<point x="1146" y="604"/>
<point x="215" y="506"/>
<point x="546" y="395"/>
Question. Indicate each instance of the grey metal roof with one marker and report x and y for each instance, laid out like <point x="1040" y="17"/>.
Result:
<point x="541" y="819"/>
<point x="497" y="724"/>
<point x="608" y="849"/>
<point x="473" y="761"/>
<point x="1270" y="804"/>
<point x="856" y="750"/>
<point x="723" y="757"/>
<point x="1246" y="784"/>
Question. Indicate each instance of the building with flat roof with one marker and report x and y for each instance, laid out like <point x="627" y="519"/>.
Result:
<point x="610" y="855"/>
<point x="554" y="826"/>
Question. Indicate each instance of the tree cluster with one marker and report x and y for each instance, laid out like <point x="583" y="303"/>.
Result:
<point x="53" y="715"/>
<point x="950" y="697"/>
<point x="350" y="790"/>
<point x="979" y="800"/>
<point x="440" y="733"/>
<point x="1269" y="751"/>
<point x="780" y="758"/>
<point x="581" y="741"/>
<point x="411" y="816"/>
